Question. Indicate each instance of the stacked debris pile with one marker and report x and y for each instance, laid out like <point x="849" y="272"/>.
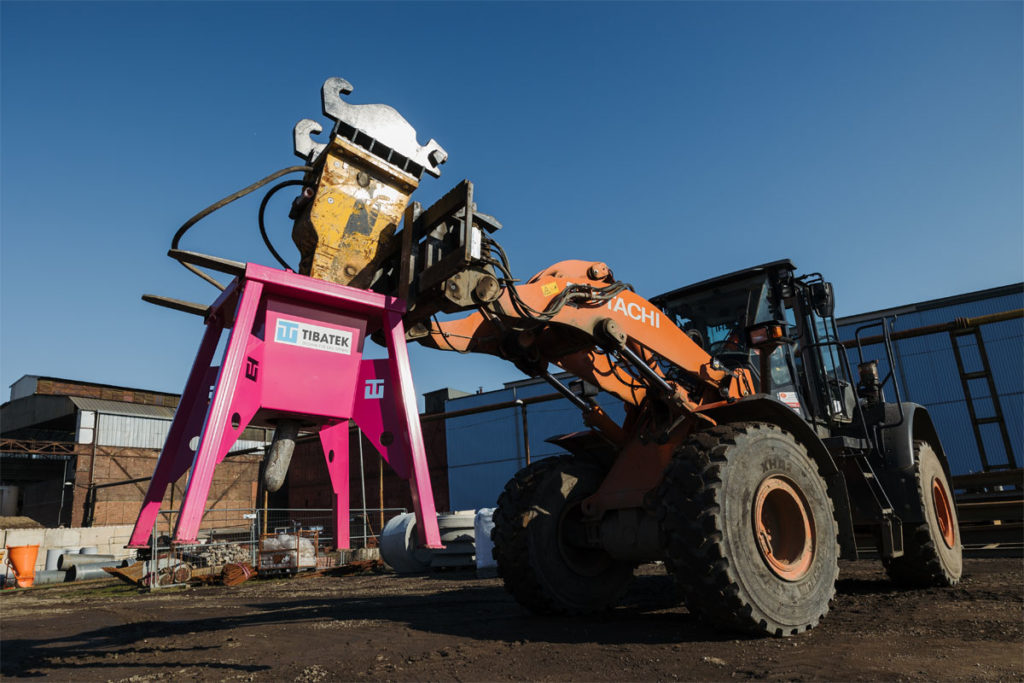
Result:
<point x="216" y="555"/>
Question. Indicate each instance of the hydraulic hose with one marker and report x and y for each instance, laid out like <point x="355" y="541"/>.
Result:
<point x="221" y="204"/>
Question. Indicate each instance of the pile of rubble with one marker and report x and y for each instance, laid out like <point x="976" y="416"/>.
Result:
<point x="217" y="555"/>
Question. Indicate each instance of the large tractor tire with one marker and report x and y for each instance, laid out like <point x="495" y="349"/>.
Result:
<point x="749" y="530"/>
<point x="537" y="518"/>
<point x="932" y="551"/>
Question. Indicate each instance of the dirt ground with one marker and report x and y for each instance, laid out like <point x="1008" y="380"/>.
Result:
<point x="453" y="626"/>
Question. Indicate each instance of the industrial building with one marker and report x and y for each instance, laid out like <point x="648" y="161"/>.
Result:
<point x="80" y="454"/>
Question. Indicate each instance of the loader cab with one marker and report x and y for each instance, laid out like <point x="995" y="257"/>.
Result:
<point x="778" y="326"/>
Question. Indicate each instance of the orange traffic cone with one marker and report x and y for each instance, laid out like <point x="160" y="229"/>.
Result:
<point x="22" y="559"/>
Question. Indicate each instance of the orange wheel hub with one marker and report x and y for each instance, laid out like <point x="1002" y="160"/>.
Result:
<point x="784" y="528"/>
<point x="943" y="513"/>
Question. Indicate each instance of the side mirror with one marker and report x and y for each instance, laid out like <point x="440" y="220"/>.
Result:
<point x="822" y="299"/>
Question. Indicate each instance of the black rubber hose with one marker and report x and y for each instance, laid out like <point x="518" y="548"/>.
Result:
<point x="221" y="204"/>
<point x="263" y="227"/>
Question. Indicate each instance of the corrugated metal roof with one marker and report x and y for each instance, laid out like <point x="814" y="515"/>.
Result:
<point x="981" y="302"/>
<point x="121" y="408"/>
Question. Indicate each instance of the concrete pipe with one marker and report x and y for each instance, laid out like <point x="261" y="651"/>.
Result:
<point x="69" y="560"/>
<point x="398" y="546"/>
<point x="52" y="557"/>
<point x="458" y="520"/>
<point x="85" y="572"/>
<point x="51" y="576"/>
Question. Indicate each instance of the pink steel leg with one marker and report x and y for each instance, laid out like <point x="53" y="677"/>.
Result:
<point x="419" y="482"/>
<point x="176" y="457"/>
<point x="334" y="440"/>
<point x="376" y="412"/>
<point x="218" y="432"/>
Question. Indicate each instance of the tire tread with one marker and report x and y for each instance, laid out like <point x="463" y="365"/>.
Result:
<point x="512" y="550"/>
<point x="920" y="566"/>
<point x="690" y="517"/>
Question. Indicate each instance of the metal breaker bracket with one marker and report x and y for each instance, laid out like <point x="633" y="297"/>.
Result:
<point x="360" y="186"/>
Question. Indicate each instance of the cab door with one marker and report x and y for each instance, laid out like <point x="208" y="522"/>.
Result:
<point x="822" y="354"/>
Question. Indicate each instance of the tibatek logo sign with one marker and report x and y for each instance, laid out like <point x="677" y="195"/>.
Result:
<point x="316" y="337"/>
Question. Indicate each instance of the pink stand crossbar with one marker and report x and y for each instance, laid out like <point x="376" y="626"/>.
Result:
<point x="296" y="352"/>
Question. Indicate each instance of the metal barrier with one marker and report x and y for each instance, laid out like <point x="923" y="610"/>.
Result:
<point x="228" y="535"/>
<point x="364" y="526"/>
<point x="233" y="535"/>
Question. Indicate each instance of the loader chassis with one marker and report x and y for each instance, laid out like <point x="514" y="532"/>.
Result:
<point x="749" y="501"/>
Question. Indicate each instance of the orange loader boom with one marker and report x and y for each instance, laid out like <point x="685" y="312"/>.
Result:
<point x="575" y="315"/>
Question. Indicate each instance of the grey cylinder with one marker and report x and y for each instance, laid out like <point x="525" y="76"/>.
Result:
<point x="398" y="546"/>
<point x="50" y="576"/>
<point x="457" y="520"/>
<point x="89" y="550"/>
<point x="456" y="527"/>
<point x="85" y="572"/>
<point x="280" y="454"/>
<point x="69" y="560"/>
<point x="457" y="534"/>
<point x="52" y="557"/>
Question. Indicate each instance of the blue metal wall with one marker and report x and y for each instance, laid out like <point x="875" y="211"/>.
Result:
<point x="486" y="450"/>
<point x="927" y="372"/>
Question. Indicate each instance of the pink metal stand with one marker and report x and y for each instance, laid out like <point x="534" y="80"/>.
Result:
<point x="295" y="352"/>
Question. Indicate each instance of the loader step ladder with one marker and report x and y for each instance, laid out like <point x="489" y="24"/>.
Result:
<point x="891" y="528"/>
<point x="984" y="373"/>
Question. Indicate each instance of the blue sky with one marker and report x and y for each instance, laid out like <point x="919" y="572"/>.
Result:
<point x="877" y="143"/>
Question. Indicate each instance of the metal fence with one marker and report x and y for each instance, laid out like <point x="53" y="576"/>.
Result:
<point x="233" y="536"/>
<point x="364" y="525"/>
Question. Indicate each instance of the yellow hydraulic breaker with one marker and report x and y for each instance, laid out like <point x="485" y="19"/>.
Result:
<point x="354" y="199"/>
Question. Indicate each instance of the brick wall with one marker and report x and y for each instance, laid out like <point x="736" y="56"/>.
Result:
<point x="233" y="487"/>
<point x="309" y="485"/>
<point x="60" y="387"/>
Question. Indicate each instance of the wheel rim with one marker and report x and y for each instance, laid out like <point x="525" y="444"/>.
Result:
<point x="783" y="528"/>
<point x="943" y="513"/>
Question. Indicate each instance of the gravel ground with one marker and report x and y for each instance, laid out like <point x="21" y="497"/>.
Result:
<point x="453" y="626"/>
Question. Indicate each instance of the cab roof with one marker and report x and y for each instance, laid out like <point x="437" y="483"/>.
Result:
<point x="764" y="268"/>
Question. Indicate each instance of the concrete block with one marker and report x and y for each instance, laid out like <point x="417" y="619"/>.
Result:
<point x="106" y="537"/>
<point x="24" y="537"/>
<point x="60" y="538"/>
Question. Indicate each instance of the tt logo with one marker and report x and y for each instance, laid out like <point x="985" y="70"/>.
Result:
<point x="287" y="332"/>
<point x="252" y="368"/>
<point x="374" y="389"/>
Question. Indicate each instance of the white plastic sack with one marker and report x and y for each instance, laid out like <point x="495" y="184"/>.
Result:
<point x="285" y="545"/>
<point x="483" y="523"/>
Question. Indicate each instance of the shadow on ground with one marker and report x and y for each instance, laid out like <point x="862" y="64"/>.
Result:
<point x="649" y="614"/>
